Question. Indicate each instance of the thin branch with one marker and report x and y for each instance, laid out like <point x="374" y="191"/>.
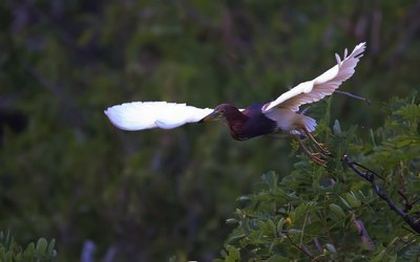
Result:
<point x="369" y="175"/>
<point x="302" y="247"/>
<point x="363" y="233"/>
<point x="353" y="96"/>
<point x="303" y="229"/>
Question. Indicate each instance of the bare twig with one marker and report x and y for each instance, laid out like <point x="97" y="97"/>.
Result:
<point x="363" y="233"/>
<point x="353" y="96"/>
<point x="301" y="247"/>
<point x="369" y="175"/>
<point x="317" y="244"/>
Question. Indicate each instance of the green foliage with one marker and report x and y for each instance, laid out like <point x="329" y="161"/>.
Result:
<point x="11" y="251"/>
<point x="331" y="213"/>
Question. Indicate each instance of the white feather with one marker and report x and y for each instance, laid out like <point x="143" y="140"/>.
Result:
<point x="322" y="86"/>
<point x="144" y="115"/>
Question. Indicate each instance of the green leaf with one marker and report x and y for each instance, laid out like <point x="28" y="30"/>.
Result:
<point x="379" y="257"/>
<point x="42" y="245"/>
<point x="231" y="221"/>
<point x="330" y="248"/>
<point x="30" y="249"/>
<point x="51" y="245"/>
<point x="233" y="254"/>
<point x="352" y="200"/>
<point x="337" y="210"/>
<point x="337" y="128"/>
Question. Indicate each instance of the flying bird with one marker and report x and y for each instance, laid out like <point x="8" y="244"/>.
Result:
<point x="279" y="115"/>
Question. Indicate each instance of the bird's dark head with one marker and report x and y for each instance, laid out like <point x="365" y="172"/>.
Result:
<point x="223" y="110"/>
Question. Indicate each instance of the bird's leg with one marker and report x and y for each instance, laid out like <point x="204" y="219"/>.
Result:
<point x="316" y="157"/>
<point x="320" y="146"/>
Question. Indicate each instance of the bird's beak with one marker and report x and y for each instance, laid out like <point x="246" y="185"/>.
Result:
<point x="211" y="117"/>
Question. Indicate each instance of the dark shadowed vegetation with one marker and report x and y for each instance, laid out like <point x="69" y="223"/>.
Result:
<point x="332" y="214"/>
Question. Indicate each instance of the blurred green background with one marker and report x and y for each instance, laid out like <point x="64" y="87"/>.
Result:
<point x="67" y="173"/>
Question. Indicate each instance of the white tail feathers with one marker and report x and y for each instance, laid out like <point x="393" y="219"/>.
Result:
<point x="308" y="122"/>
<point x="303" y="122"/>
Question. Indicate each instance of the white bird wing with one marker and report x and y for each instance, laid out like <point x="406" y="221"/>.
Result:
<point x="322" y="86"/>
<point x="144" y="115"/>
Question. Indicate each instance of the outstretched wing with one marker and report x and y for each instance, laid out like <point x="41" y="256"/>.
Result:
<point x="322" y="86"/>
<point x="144" y="115"/>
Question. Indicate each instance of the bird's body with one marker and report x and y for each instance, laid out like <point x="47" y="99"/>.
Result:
<point x="253" y="122"/>
<point x="280" y="114"/>
<point x="249" y="123"/>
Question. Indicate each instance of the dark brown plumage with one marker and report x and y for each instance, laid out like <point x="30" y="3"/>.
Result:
<point x="247" y="124"/>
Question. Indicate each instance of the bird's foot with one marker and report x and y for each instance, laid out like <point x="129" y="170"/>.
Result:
<point x="317" y="158"/>
<point x="324" y="149"/>
<point x="320" y="146"/>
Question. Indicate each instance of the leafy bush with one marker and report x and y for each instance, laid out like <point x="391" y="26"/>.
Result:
<point x="11" y="251"/>
<point x="331" y="213"/>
